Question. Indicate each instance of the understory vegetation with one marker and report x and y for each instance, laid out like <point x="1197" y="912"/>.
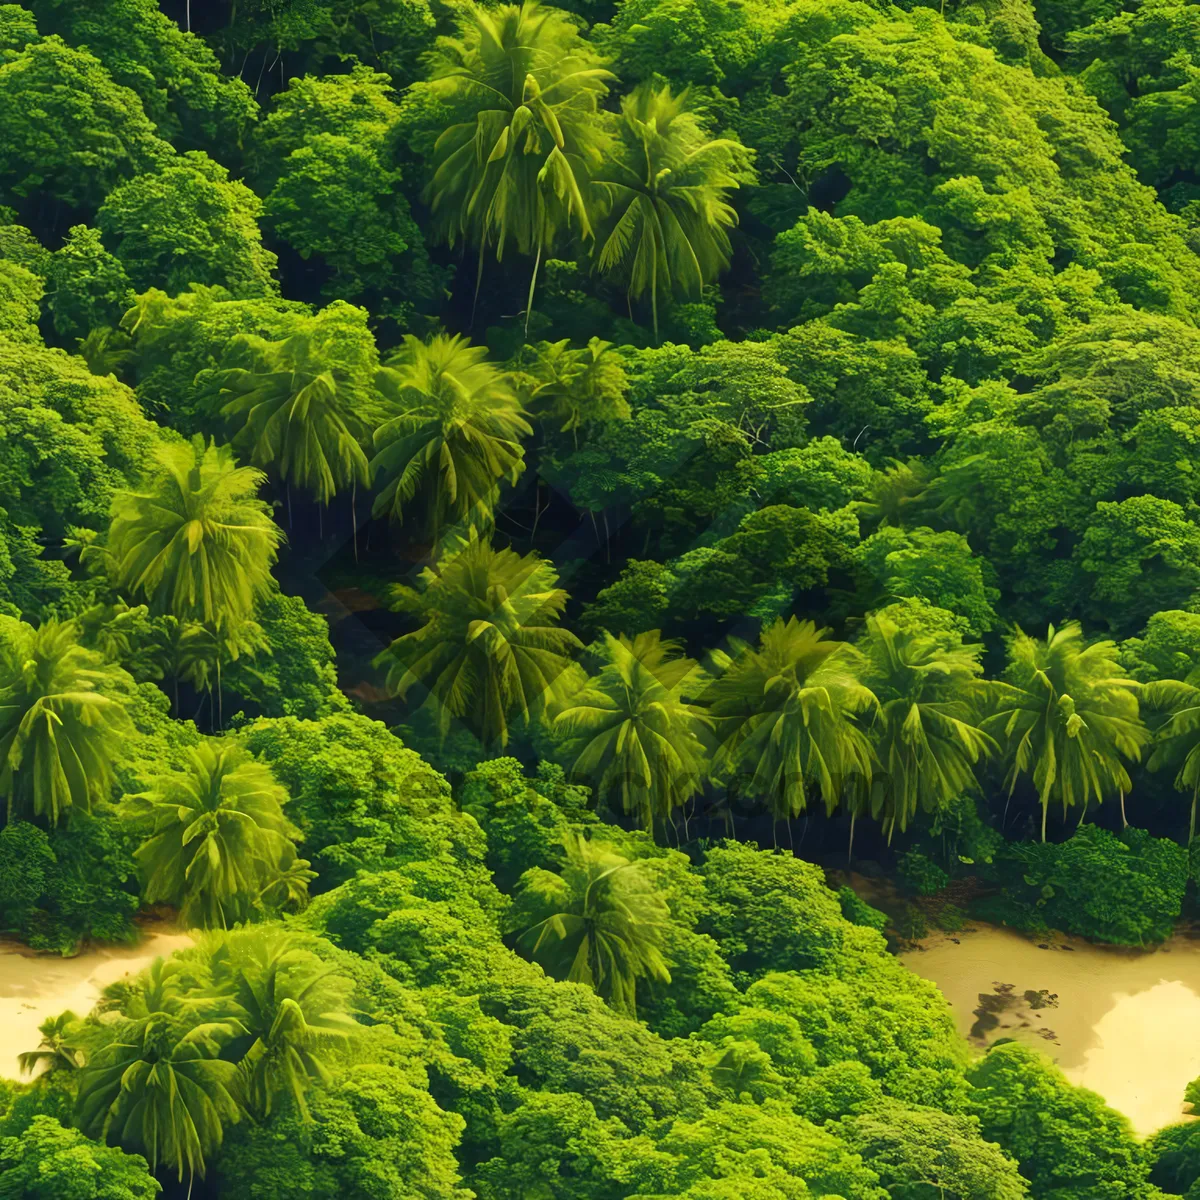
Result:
<point x="497" y="500"/>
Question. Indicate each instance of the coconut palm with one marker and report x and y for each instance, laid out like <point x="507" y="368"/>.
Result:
<point x="633" y="735"/>
<point x="61" y="726"/>
<point x="158" y="1086"/>
<point x="576" y="387"/>
<point x="291" y="409"/>
<point x="489" y="645"/>
<point x="666" y="187"/>
<point x="293" y="1013"/>
<point x="59" y="1049"/>
<point x="787" y="718"/>
<point x="1067" y="716"/>
<point x="524" y="88"/>
<point x="1177" y="736"/>
<point x="454" y="433"/>
<point x="215" y="834"/>
<point x="195" y="541"/>
<point x="599" y="922"/>
<point x="925" y="731"/>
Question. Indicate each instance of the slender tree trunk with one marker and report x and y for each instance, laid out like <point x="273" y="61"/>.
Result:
<point x="850" y="847"/>
<point x="607" y="546"/>
<point x="1124" y="820"/>
<point x="1045" y="808"/>
<point x="537" y="262"/>
<point x="188" y="10"/>
<point x="654" y="301"/>
<point x="478" y="282"/>
<point x="1192" y="823"/>
<point x="354" y="516"/>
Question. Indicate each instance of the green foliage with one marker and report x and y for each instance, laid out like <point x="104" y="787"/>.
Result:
<point x="188" y="223"/>
<point x="88" y="287"/>
<point x="1126" y="890"/>
<point x="858" y="912"/>
<point x="361" y="799"/>
<point x="51" y="1162"/>
<point x="1067" y="1141"/>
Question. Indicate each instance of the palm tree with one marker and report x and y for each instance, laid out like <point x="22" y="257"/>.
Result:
<point x="61" y="730"/>
<point x="786" y="716"/>
<point x="58" y="1050"/>
<point x="599" y="922"/>
<point x="667" y="220"/>
<point x="576" y="387"/>
<point x="293" y="1010"/>
<point x="215" y="834"/>
<point x="926" y="731"/>
<point x="297" y="412"/>
<point x="525" y="89"/>
<point x="489" y="645"/>
<point x="158" y="1087"/>
<point x="196" y="542"/>
<point x="1067" y="715"/>
<point x="1177" y="737"/>
<point x="641" y="741"/>
<point x="454" y="435"/>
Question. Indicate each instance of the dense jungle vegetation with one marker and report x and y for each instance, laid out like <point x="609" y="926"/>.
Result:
<point x="495" y="500"/>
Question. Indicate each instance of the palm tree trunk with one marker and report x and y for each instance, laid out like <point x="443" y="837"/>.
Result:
<point x="188" y="11"/>
<point x="1192" y="823"/>
<point x="850" y="847"/>
<point x="1045" y="808"/>
<point x="537" y="262"/>
<point x="354" y="516"/>
<point x="1124" y="821"/>
<point x="607" y="547"/>
<point x="654" y="301"/>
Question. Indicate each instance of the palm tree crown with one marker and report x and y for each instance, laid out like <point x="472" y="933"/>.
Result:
<point x="525" y="89"/>
<point x="296" y="413"/>
<point x="600" y="922"/>
<point x="60" y="726"/>
<point x="576" y="387"/>
<point x="1177" y="736"/>
<point x="489" y="645"/>
<point x="786" y="717"/>
<point x="293" y="1011"/>
<point x="454" y="435"/>
<point x="1067" y="714"/>
<point x="196" y="542"/>
<point x="216" y="836"/>
<point x="667" y="220"/>
<point x="925" y="732"/>
<point x="641" y="741"/>
<point x="159" y="1087"/>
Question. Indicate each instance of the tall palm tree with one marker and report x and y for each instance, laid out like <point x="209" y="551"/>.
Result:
<point x="1177" y="736"/>
<point x="158" y="1086"/>
<point x="61" y="728"/>
<point x="599" y="922"/>
<point x="489" y="645"/>
<point x="787" y="718"/>
<point x="195" y="541"/>
<point x="295" y="411"/>
<point x="666" y="187"/>
<point x="59" y="1049"/>
<point x="636" y="737"/>
<point x="524" y="88"/>
<point x="215" y="834"/>
<point x="293" y="1011"/>
<point x="1067" y="715"/>
<point x="926" y="731"/>
<point x="576" y="387"/>
<point x="454" y="433"/>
